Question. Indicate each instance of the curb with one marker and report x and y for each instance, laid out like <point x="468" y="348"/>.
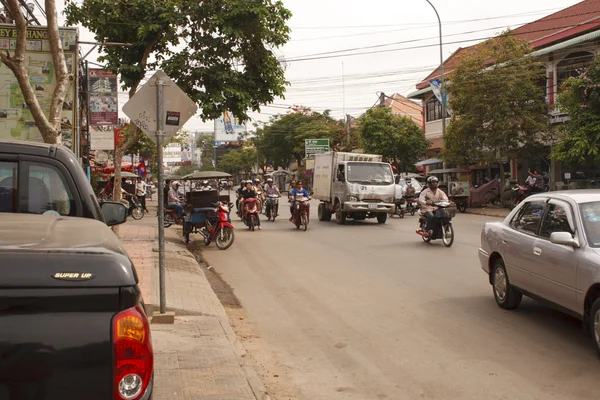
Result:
<point x="485" y="214"/>
<point x="256" y="384"/>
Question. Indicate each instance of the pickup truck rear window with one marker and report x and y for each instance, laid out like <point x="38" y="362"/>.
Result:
<point x="8" y="187"/>
<point x="43" y="189"/>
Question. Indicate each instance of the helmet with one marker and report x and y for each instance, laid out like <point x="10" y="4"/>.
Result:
<point x="432" y="182"/>
<point x="205" y="182"/>
<point x="269" y="180"/>
<point x="256" y="180"/>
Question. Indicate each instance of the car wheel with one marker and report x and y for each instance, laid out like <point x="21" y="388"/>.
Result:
<point x="507" y="297"/>
<point x="595" y="324"/>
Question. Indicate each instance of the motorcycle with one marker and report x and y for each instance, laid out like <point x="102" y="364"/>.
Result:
<point x="250" y="217"/>
<point x="400" y="208"/>
<point x="301" y="216"/>
<point x="135" y="208"/>
<point x="443" y="228"/>
<point x="412" y="205"/>
<point x="170" y="218"/>
<point x="217" y="227"/>
<point x="272" y="207"/>
<point x="519" y="193"/>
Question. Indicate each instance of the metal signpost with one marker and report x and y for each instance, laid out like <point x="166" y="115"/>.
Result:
<point x="147" y="111"/>
<point x="315" y="146"/>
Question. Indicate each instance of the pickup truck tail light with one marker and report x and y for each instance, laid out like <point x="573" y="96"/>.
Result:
<point x="133" y="355"/>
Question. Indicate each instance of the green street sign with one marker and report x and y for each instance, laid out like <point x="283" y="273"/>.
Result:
<point x="316" y="146"/>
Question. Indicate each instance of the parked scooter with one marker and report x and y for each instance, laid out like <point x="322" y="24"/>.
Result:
<point x="443" y="228"/>
<point x="250" y="216"/>
<point x="217" y="227"/>
<point x="301" y="216"/>
<point x="135" y="207"/>
<point x="272" y="207"/>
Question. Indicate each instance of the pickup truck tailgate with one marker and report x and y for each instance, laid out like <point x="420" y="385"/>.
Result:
<point x="56" y="323"/>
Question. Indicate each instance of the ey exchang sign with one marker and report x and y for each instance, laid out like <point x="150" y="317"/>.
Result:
<point x="315" y="146"/>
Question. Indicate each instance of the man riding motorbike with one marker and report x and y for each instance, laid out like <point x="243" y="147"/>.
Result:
<point x="173" y="202"/>
<point x="250" y="193"/>
<point x="270" y="190"/>
<point x="298" y="191"/>
<point x="429" y="196"/>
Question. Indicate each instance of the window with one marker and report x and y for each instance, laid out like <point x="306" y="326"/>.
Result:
<point x="556" y="220"/>
<point x="530" y="217"/>
<point x="590" y="214"/>
<point x="8" y="187"/>
<point x="433" y="109"/>
<point x="48" y="194"/>
<point x="572" y="66"/>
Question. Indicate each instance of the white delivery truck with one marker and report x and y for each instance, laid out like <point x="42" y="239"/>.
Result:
<point x="352" y="185"/>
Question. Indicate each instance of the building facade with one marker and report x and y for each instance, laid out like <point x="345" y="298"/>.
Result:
<point x="565" y="42"/>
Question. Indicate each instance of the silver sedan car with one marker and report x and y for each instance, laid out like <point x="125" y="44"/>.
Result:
<point x="548" y="248"/>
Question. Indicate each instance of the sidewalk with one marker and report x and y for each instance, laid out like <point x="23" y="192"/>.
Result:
<point x="199" y="357"/>
<point x="489" y="211"/>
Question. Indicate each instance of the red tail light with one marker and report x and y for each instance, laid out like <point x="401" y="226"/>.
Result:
<point x="132" y="352"/>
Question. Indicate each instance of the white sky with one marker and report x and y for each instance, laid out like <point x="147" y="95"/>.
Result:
<point x="325" y="26"/>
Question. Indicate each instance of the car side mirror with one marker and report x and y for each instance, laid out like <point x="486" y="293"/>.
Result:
<point x="564" y="238"/>
<point x="115" y="213"/>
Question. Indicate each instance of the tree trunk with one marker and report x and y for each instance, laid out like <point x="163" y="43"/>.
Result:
<point x="49" y="126"/>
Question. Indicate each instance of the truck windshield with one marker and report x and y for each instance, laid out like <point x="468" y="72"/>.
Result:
<point x="370" y="173"/>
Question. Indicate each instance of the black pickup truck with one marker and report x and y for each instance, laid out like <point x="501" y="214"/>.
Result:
<point x="72" y="322"/>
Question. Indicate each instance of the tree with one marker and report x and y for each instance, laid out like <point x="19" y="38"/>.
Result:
<point x="206" y="144"/>
<point x="238" y="161"/>
<point x="392" y="136"/>
<point x="49" y="125"/>
<point x="282" y="139"/>
<point x="580" y="140"/>
<point x="497" y="99"/>
<point x="220" y="54"/>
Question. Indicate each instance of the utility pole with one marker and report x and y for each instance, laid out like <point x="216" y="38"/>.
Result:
<point x="160" y="133"/>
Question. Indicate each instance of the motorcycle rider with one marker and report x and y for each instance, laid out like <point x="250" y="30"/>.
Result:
<point x="429" y="196"/>
<point x="250" y="193"/>
<point x="240" y="197"/>
<point x="298" y="191"/>
<point x="173" y="202"/>
<point x="271" y="189"/>
<point x="205" y="186"/>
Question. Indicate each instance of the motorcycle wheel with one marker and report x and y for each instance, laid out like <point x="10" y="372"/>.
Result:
<point x="426" y="239"/>
<point x="168" y="220"/>
<point x="304" y="219"/>
<point x="412" y="212"/>
<point x="448" y="235"/>
<point x="251" y="223"/>
<point x="224" y="238"/>
<point x="462" y="207"/>
<point x="401" y="215"/>
<point x="137" y="213"/>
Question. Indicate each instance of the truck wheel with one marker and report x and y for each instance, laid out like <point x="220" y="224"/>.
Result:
<point x="321" y="211"/>
<point x="340" y="216"/>
<point x="381" y="218"/>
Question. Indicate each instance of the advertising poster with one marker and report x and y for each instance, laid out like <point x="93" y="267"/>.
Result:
<point x="16" y="121"/>
<point x="228" y="128"/>
<point x="103" y="97"/>
<point x="102" y="138"/>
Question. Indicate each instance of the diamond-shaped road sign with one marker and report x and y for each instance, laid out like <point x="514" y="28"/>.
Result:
<point x="178" y="107"/>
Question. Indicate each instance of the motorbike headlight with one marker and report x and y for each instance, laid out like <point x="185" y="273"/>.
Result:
<point x="353" y="198"/>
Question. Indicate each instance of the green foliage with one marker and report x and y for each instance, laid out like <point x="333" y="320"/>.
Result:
<point x="205" y="143"/>
<point x="392" y="136"/>
<point x="220" y="53"/>
<point x="238" y="161"/>
<point x="281" y="140"/>
<point x="499" y="111"/>
<point x="580" y="140"/>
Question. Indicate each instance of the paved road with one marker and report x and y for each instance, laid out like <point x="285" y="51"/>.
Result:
<point x="368" y="311"/>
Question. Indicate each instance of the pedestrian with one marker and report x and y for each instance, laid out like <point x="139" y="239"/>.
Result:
<point x="140" y="192"/>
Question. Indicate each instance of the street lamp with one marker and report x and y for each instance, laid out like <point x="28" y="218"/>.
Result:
<point x="442" y="85"/>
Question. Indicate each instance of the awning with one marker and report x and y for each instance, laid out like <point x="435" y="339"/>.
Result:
<point x="431" y="161"/>
<point x="449" y="171"/>
<point x="567" y="43"/>
<point x="419" y="93"/>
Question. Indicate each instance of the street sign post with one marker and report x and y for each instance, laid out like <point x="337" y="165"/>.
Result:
<point x="148" y="112"/>
<point x="315" y="146"/>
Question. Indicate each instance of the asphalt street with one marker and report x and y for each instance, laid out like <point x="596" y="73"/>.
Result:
<point x="368" y="311"/>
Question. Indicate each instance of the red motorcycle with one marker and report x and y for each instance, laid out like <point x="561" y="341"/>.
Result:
<point x="250" y="217"/>
<point x="218" y="228"/>
<point x="520" y="193"/>
<point x="302" y="214"/>
<point x="170" y="218"/>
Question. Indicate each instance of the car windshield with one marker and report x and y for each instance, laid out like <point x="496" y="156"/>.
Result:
<point x="590" y="213"/>
<point x="370" y="173"/>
